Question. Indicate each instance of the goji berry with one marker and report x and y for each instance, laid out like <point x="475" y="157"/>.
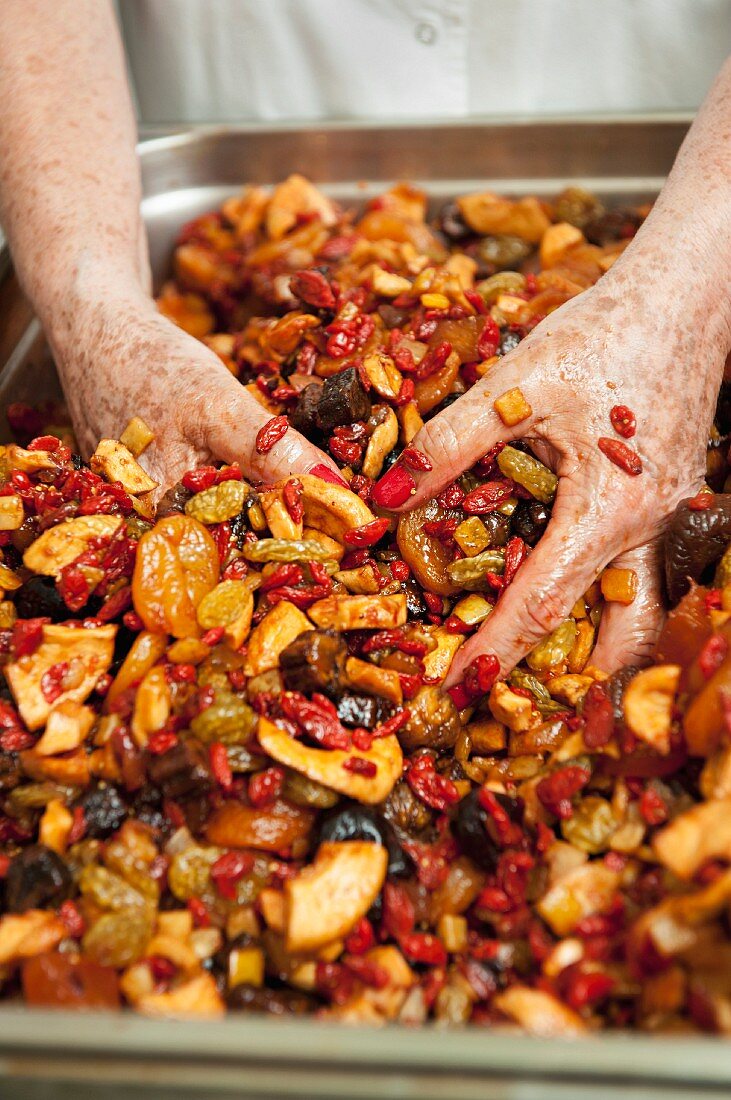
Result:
<point x="317" y="717"/>
<point x="557" y="790"/>
<point x="653" y="809"/>
<point x="361" y="939"/>
<point x="712" y="655"/>
<point x="598" y="715"/>
<point x="427" y="784"/>
<point x="199" y="910"/>
<point x="265" y="787"/>
<point x="368" y="534"/>
<point x="452" y="496"/>
<point x="228" y="870"/>
<point x="399" y="571"/>
<point x="481" y="674"/>
<point x="287" y="573"/>
<point x="345" y="450"/>
<point x="292" y="496"/>
<point x="621" y="455"/>
<point x="399" y="916"/>
<point x="52" y="681"/>
<point x="489" y="339"/>
<point x="434" y="360"/>
<point x="487" y="498"/>
<point x="623" y="421"/>
<point x="334" y="981"/>
<point x="198" y="480"/>
<point x="516" y="553"/>
<point x="415" y="459"/>
<point x="27" y="635"/>
<point x="161" y="742"/>
<point x="701" y="501"/>
<point x="220" y="766"/>
<point x="367" y="971"/>
<point x="271" y="433"/>
<point x="72" y="919"/>
<point x="391" y="725"/>
<point x="585" y="989"/>
<point x="424" y="948"/>
<point x="313" y="288"/>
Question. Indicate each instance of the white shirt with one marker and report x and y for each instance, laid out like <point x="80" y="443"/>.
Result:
<point x="195" y="61"/>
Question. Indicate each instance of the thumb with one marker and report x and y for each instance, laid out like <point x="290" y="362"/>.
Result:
<point x="498" y="408"/>
<point x="230" y="431"/>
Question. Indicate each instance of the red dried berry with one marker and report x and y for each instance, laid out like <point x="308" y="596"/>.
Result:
<point x="265" y="787"/>
<point x="220" y="766"/>
<point x="358" y="766"/>
<point x="427" y="784"/>
<point x="313" y="288"/>
<point x="415" y="459"/>
<point x="557" y="790"/>
<point x="271" y="433"/>
<point x="292" y="496"/>
<point x="701" y="501"/>
<point x="623" y="421"/>
<point x="621" y="455"/>
<point x="424" y="948"/>
<point x="161" y="742"/>
<point x="487" y="498"/>
<point x="434" y="360"/>
<point x="368" y="534"/>
<point x="489" y="339"/>
<point x="712" y="655"/>
<point x="228" y="870"/>
<point x="598" y="715"/>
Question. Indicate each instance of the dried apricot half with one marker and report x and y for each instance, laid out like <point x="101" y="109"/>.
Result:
<point x="176" y="565"/>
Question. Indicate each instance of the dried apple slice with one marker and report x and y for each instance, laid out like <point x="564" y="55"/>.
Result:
<point x="538" y="1012"/>
<point x="268" y="829"/>
<point x="277" y="629"/>
<point x="60" y="545"/>
<point x="69" y="659"/>
<point x="332" y="509"/>
<point x="328" y="897"/>
<point x="360" y="612"/>
<point x="116" y="462"/>
<point x="326" y="766"/>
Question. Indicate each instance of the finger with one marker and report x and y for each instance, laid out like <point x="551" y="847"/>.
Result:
<point x="231" y="435"/>
<point x="560" y="569"/>
<point x="628" y="634"/>
<point x="458" y="436"/>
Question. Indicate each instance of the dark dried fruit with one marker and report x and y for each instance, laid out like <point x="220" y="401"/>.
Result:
<point x="173" y="501"/>
<point x="181" y="772"/>
<point x="368" y="711"/>
<point x="475" y="828"/>
<point x="694" y="541"/>
<point x="343" y="400"/>
<point x="352" y="821"/>
<point x="104" y="810"/>
<point x="314" y="662"/>
<point x="452" y="224"/>
<point x="433" y="721"/>
<point x="39" y="598"/>
<point x="615" y="688"/>
<point x="36" y="878"/>
<point x="274" y="1002"/>
<point x="406" y="812"/>
<point x="530" y="519"/>
<point x="304" y="414"/>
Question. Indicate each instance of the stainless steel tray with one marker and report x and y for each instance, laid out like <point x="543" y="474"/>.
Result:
<point x="59" y="1057"/>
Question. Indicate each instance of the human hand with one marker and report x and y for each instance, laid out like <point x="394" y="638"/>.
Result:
<point x="623" y="342"/>
<point x="121" y="358"/>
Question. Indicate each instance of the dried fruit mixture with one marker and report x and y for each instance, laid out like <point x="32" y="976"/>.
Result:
<point x="229" y="776"/>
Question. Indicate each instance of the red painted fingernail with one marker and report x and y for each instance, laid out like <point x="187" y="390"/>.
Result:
<point x="394" y="488"/>
<point x="326" y="474"/>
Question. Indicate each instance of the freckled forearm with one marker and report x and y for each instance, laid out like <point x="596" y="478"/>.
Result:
<point x="69" y="179"/>
<point x="683" y="251"/>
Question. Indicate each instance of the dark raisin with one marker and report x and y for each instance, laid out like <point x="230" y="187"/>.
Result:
<point x="391" y="458"/>
<point x="274" y="1002"/>
<point x="181" y="772"/>
<point x="314" y="662"/>
<point x="173" y="501"/>
<point x="615" y="225"/>
<point x="529" y="520"/>
<point x="77" y="462"/>
<point x="36" y="878"/>
<point x="406" y="812"/>
<point x="415" y="605"/>
<point x="104" y="810"/>
<point x="498" y="527"/>
<point x="343" y="400"/>
<point x="508" y="342"/>
<point x="303" y="416"/>
<point x="363" y="710"/>
<point x="452" y="224"/>
<point x="39" y="597"/>
<point x="352" y="821"/>
<point x="475" y="829"/>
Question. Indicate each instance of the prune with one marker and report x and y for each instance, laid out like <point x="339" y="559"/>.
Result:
<point x="314" y="662"/>
<point x="104" y="810"/>
<point x="694" y="541"/>
<point x="38" y="598"/>
<point x="37" y="877"/>
<point x="173" y="501"/>
<point x="342" y="401"/>
<point x="304" y="414"/>
<point x="452" y="224"/>
<point x="615" y="225"/>
<point x="368" y="711"/>
<point x="433" y="721"/>
<point x="275" y="1002"/>
<point x="182" y="771"/>
<point x="530" y="519"/>
<point x="475" y="829"/>
<point x="508" y="342"/>
<point x="352" y="821"/>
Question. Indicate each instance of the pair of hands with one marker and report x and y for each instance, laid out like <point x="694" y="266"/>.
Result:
<point x="618" y="343"/>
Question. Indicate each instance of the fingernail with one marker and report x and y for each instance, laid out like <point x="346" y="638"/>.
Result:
<point x="394" y="488"/>
<point x="326" y="474"/>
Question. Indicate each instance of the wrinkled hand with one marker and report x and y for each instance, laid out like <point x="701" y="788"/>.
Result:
<point x="124" y="359"/>
<point x="616" y="344"/>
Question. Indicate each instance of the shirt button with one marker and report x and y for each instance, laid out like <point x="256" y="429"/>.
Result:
<point x="426" y="33"/>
